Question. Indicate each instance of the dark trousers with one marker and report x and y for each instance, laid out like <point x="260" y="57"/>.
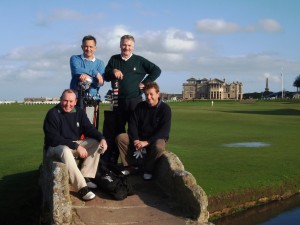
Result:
<point x="124" y="110"/>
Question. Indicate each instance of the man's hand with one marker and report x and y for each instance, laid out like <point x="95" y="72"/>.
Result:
<point x="140" y="145"/>
<point x="141" y="86"/>
<point x="118" y="74"/>
<point x="82" y="152"/>
<point x="83" y="77"/>
<point x="100" y="79"/>
<point x="103" y="145"/>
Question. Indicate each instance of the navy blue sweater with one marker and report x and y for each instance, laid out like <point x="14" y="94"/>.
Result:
<point x="150" y="123"/>
<point x="62" y="128"/>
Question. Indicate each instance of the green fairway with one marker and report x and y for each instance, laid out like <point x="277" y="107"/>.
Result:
<point x="200" y="132"/>
<point x="200" y="137"/>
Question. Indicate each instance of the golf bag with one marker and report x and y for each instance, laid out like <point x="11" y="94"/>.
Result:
<point x="111" y="180"/>
<point x="89" y="100"/>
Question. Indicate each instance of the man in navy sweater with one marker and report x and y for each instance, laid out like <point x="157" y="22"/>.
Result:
<point x="148" y="132"/>
<point x="63" y="126"/>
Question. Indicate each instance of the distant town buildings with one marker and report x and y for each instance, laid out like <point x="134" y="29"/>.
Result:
<point x="211" y="89"/>
<point x="41" y="100"/>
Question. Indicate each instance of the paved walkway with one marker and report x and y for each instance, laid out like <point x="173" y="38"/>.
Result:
<point x="147" y="206"/>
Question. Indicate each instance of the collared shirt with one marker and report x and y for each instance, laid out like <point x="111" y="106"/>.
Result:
<point x="125" y="59"/>
<point x="93" y="60"/>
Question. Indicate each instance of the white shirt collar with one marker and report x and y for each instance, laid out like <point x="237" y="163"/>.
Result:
<point x="93" y="60"/>
<point x="125" y="59"/>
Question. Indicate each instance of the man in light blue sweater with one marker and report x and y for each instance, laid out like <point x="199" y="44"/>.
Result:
<point x="86" y="66"/>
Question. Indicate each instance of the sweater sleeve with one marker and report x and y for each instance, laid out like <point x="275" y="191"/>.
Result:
<point x="108" y="74"/>
<point x="152" y="70"/>
<point x="76" y="66"/>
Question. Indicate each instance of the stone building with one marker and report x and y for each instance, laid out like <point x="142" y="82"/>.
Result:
<point x="211" y="89"/>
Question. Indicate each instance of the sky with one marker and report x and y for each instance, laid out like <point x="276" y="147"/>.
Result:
<point x="245" y="41"/>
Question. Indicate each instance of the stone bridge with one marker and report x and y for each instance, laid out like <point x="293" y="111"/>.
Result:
<point x="172" y="197"/>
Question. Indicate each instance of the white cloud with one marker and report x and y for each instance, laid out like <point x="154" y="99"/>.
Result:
<point x="217" y="26"/>
<point x="179" y="41"/>
<point x="65" y="15"/>
<point x="269" y="25"/>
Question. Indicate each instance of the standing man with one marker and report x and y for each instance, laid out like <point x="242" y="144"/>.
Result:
<point x="148" y="132"/>
<point x="130" y="71"/>
<point x="63" y="126"/>
<point x="85" y="67"/>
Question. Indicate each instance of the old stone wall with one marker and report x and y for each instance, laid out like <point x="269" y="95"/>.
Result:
<point x="56" y="203"/>
<point x="182" y="187"/>
<point x="170" y="175"/>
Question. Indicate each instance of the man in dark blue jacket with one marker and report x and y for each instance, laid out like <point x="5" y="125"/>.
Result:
<point x="63" y="126"/>
<point x="148" y="132"/>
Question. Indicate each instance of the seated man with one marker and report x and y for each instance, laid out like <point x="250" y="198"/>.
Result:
<point x="63" y="126"/>
<point x="148" y="132"/>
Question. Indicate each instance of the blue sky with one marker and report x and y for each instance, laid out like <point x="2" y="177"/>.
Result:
<point x="235" y="40"/>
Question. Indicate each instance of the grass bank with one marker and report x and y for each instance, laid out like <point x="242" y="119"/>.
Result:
<point x="209" y="140"/>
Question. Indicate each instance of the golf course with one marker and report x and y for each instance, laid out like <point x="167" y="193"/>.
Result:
<point x="238" y="151"/>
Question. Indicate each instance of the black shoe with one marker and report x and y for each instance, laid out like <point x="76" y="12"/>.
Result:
<point x="90" y="184"/>
<point x="86" y="194"/>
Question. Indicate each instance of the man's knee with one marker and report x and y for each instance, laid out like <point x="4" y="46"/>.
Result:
<point x="159" y="145"/>
<point x="122" y="139"/>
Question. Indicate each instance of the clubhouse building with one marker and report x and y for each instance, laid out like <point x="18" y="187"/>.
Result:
<point x="211" y="89"/>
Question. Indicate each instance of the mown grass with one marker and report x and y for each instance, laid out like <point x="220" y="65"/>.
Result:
<point x="198" y="136"/>
<point x="200" y="131"/>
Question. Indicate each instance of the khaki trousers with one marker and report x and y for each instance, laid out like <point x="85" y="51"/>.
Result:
<point x="126" y="149"/>
<point x="89" y="166"/>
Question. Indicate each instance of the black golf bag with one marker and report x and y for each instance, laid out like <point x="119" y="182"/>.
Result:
<point x="89" y="101"/>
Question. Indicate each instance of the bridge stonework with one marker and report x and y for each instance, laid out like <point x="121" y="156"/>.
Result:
<point x="177" y="183"/>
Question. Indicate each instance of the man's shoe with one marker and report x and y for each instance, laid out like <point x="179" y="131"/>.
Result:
<point x="90" y="184"/>
<point x="89" y="196"/>
<point x="147" y="176"/>
<point x="86" y="194"/>
<point x="125" y="172"/>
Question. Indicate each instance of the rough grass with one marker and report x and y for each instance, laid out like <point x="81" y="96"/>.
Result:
<point x="229" y="175"/>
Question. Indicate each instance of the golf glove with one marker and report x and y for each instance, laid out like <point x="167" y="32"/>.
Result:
<point x="139" y="154"/>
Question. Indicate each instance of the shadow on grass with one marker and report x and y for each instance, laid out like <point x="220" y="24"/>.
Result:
<point x="278" y="112"/>
<point x="20" y="199"/>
